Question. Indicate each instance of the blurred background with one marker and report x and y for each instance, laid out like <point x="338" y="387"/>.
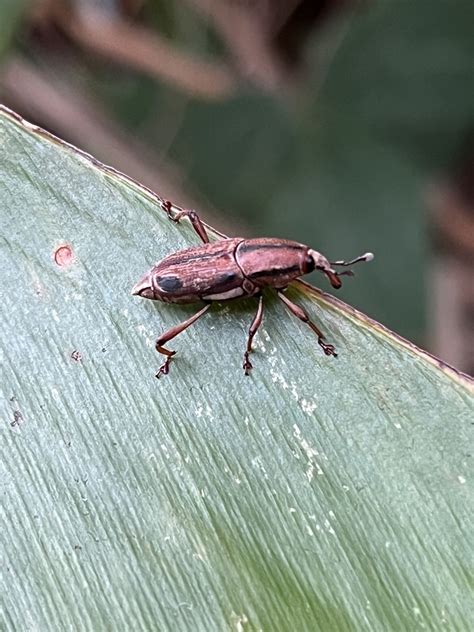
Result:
<point x="344" y="124"/>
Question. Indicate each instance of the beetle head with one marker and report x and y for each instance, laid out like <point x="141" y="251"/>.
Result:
<point x="321" y="263"/>
<point x="144" y="287"/>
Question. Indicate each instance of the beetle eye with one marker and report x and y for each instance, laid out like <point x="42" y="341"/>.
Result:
<point x="308" y="264"/>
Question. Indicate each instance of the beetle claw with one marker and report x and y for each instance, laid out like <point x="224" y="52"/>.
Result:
<point x="164" y="368"/>
<point x="247" y="365"/>
<point x="328" y="349"/>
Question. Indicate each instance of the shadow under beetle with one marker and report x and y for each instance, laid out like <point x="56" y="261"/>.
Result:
<point x="233" y="268"/>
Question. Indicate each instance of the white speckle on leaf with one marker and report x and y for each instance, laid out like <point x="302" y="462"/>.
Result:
<point x="55" y="316"/>
<point x="278" y="378"/>
<point x="239" y="621"/>
<point x="308" y="406"/>
<point x="203" y="410"/>
<point x="292" y="510"/>
<point x="329" y="528"/>
<point x="149" y="340"/>
<point x="264" y="333"/>
<point x="461" y="479"/>
<point x="294" y="392"/>
<point x="272" y="360"/>
<point x="260" y="345"/>
<point x="398" y="425"/>
<point x="310" y="453"/>
<point x="309" y="531"/>
<point x="258" y="464"/>
<point x="125" y="312"/>
<point x="238" y="481"/>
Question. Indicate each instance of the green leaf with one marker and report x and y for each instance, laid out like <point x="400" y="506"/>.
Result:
<point x="11" y="11"/>
<point x="318" y="493"/>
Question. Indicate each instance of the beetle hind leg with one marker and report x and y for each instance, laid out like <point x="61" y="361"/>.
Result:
<point x="172" y="333"/>
<point x="256" y="322"/>
<point x="300" y="313"/>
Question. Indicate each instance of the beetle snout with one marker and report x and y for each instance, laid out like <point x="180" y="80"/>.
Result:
<point x="143" y="287"/>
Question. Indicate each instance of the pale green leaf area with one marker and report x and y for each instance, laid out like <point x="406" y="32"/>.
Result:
<point x="316" y="494"/>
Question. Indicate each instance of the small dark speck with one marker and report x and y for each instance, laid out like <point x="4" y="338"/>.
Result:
<point x="104" y="349"/>
<point x="77" y="547"/>
<point x="76" y="356"/>
<point x="17" y="418"/>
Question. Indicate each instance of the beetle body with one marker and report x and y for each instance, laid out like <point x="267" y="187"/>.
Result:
<point x="226" y="269"/>
<point x="233" y="268"/>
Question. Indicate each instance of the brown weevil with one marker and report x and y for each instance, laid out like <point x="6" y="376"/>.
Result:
<point x="233" y="268"/>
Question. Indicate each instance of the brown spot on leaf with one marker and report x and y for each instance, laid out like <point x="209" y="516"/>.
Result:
<point x="64" y="255"/>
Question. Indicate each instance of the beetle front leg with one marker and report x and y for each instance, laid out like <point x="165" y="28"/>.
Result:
<point x="193" y="218"/>
<point x="172" y="333"/>
<point x="300" y="313"/>
<point x="256" y="322"/>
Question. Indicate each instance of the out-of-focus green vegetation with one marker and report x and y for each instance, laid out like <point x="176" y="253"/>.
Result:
<point x="10" y="14"/>
<point x="343" y="162"/>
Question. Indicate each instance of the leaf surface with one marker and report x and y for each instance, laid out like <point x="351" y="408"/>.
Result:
<point x="318" y="493"/>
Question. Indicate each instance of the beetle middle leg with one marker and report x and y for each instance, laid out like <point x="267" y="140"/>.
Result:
<point x="300" y="313"/>
<point x="193" y="218"/>
<point x="256" y="322"/>
<point x="172" y="333"/>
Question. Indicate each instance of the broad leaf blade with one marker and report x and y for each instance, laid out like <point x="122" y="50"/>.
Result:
<point x="318" y="493"/>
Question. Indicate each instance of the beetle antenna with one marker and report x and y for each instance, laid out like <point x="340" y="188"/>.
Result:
<point x="368" y="256"/>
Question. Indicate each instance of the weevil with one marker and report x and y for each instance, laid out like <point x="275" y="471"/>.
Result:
<point x="233" y="268"/>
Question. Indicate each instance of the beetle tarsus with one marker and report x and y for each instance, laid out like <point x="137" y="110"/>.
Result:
<point x="165" y="367"/>
<point x="247" y="365"/>
<point x="329" y="350"/>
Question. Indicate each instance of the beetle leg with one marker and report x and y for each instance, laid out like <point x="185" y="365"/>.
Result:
<point x="193" y="218"/>
<point x="256" y="322"/>
<point x="170" y="334"/>
<point x="300" y="313"/>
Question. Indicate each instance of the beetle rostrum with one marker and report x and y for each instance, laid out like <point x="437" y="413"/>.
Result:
<point x="233" y="268"/>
